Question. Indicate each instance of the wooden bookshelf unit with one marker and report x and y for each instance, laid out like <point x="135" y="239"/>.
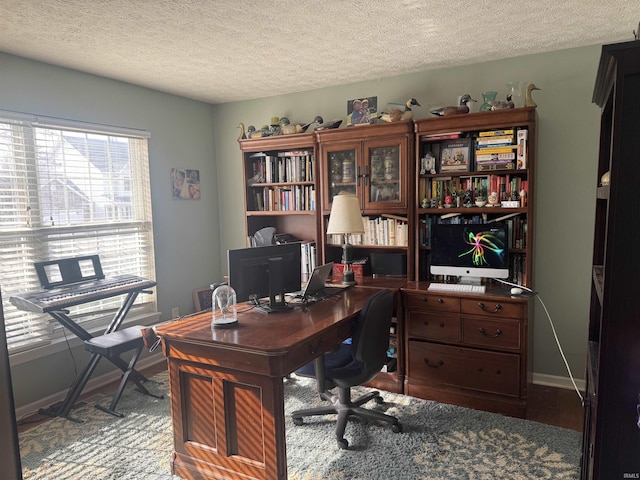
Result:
<point x="611" y="431"/>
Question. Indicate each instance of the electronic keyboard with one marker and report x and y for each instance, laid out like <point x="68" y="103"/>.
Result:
<point x="42" y="301"/>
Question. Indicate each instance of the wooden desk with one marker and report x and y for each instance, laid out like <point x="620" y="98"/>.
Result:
<point x="227" y="393"/>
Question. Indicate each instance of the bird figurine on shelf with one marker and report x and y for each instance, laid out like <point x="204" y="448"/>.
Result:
<point x="329" y="124"/>
<point x="455" y="110"/>
<point x="397" y="115"/>
<point x="311" y="126"/>
<point x="243" y="134"/>
<point x="287" y="128"/>
<point x="528" y="99"/>
<point x="500" y="105"/>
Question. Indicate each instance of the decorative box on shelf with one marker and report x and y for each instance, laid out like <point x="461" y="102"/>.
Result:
<point x="338" y="269"/>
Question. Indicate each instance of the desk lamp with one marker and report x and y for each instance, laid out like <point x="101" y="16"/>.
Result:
<point x="345" y="219"/>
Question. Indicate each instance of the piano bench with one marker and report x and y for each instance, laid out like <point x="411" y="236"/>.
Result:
<point x="111" y="345"/>
<point x="115" y="343"/>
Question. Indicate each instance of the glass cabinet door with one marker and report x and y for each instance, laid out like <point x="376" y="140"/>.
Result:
<point x="384" y="183"/>
<point x="341" y="173"/>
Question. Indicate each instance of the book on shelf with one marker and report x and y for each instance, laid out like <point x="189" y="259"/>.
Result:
<point x="493" y="166"/>
<point x="496" y="133"/>
<point x="498" y="140"/>
<point x="308" y="257"/>
<point x="496" y="157"/>
<point x="495" y="149"/>
<point x="523" y="135"/>
<point x="441" y="136"/>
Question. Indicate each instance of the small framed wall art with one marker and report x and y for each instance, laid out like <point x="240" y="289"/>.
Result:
<point x="185" y="183"/>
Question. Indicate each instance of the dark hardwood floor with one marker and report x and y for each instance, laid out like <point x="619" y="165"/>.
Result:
<point x="552" y="406"/>
<point x="555" y="406"/>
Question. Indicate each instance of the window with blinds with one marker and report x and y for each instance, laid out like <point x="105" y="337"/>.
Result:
<point x="69" y="189"/>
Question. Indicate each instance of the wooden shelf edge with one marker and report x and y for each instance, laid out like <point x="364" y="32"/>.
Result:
<point x="272" y="213"/>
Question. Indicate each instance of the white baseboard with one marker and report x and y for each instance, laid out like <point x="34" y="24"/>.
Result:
<point x="92" y="384"/>
<point x="558" y="382"/>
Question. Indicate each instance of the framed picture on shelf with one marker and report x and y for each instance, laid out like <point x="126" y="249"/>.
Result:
<point x="202" y="299"/>
<point x="455" y="155"/>
<point x="360" y="110"/>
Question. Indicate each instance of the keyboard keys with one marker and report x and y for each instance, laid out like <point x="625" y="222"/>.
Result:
<point x="456" y="288"/>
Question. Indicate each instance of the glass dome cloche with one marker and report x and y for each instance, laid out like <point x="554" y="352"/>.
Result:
<point x="223" y="307"/>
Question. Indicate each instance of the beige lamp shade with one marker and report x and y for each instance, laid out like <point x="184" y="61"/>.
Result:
<point x="345" y="215"/>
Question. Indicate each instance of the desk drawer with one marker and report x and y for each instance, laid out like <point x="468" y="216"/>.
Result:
<point x="433" y="302"/>
<point x="489" y="332"/>
<point x="434" y="326"/>
<point x="494" y="308"/>
<point x="306" y="351"/>
<point x="440" y="365"/>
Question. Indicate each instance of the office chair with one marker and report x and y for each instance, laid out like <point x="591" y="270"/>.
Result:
<point x="354" y="364"/>
<point x="263" y="237"/>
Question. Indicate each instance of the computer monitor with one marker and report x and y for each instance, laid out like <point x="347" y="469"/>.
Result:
<point x="470" y="251"/>
<point x="269" y="271"/>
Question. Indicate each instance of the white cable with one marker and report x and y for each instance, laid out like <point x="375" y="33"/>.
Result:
<point x="555" y="335"/>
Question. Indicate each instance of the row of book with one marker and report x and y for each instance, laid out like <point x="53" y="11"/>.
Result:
<point x="283" y="198"/>
<point x="517" y="228"/>
<point x="295" y="166"/>
<point x="485" y="151"/>
<point x="381" y="231"/>
<point x="308" y="258"/>
<point x="501" y="149"/>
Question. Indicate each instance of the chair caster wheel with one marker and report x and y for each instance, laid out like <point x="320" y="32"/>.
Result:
<point x="343" y="444"/>
<point x="396" y="428"/>
<point x="297" y="421"/>
<point x="379" y="400"/>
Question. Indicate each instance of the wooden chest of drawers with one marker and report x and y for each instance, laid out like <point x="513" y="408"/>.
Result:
<point x="471" y="350"/>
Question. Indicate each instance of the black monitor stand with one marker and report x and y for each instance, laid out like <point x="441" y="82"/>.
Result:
<point x="277" y="301"/>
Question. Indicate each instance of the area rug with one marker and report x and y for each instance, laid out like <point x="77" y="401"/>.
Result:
<point x="438" y="442"/>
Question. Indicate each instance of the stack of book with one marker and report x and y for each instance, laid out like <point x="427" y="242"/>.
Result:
<point x="496" y="150"/>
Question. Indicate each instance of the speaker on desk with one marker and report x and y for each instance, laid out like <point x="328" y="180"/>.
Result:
<point x="9" y="446"/>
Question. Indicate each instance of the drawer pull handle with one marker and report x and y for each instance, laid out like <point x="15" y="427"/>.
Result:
<point x="484" y="332"/>
<point x="440" y="300"/>
<point x="314" y="349"/>
<point x="497" y="308"/>
<point x="432" y="365"/>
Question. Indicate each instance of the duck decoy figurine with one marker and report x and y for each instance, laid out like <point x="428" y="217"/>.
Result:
<point x="287" y="128"/>
<point x="328" y="125"/>
<point x="528" y="99"/>
<point x="397" y="115"/>
<point x="243" y="134"/>
<point x="500" y="105"/>
<point x="311" y="126"/>
<point x="455" y="110"/>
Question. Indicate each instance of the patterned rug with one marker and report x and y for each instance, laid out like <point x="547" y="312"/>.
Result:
<point x="438" y="442"/>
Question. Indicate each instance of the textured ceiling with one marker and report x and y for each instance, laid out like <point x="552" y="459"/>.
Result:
<point x="226" y="50"/>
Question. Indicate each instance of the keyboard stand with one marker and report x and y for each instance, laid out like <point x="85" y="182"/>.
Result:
<point x="61" y="316"/>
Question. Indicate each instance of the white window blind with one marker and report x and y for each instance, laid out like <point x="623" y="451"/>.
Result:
<point x="68" y="190"/>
